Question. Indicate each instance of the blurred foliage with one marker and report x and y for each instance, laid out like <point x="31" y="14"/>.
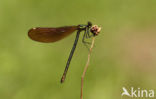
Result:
<point x="124" y="54"/>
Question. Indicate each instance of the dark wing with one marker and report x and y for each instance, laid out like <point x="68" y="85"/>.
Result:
<point x="50" y="34"/>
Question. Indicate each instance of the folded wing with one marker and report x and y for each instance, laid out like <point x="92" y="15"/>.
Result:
<point x="48" y="35"/>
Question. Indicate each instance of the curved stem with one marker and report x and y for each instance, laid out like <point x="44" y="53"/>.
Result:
<point x="86" y="67"/>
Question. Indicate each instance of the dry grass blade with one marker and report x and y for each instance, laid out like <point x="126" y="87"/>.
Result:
<point x="86" y="67"/>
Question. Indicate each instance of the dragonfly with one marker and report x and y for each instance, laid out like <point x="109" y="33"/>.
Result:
<point x="51" y="34"/>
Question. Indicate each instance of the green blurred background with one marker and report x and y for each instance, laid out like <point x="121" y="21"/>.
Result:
<point x="124" y="54"/>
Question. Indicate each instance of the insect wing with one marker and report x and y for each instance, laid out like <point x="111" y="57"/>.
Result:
<point x="48" y="35"/>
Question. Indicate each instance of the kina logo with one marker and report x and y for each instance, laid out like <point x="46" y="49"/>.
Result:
<point x="140" y="93"/>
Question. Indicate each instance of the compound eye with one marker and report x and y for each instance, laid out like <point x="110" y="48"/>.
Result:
<point x="89" y="24"/>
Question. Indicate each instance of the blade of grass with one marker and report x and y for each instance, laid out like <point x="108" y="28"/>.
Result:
<point x="86" y="67"/>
